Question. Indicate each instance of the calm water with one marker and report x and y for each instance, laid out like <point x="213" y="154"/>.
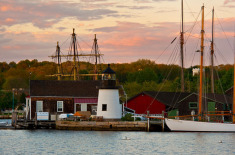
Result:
<point x="94" y="142"/>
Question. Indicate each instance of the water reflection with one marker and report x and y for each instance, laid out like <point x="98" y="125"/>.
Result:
<point x="90" y="142"/>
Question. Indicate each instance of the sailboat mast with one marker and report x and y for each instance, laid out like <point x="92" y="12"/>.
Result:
<point x="182" y="47"/>
<point x="212" y="55"/>
<point x="233" y="113"/>
<point x="201" y="67"/>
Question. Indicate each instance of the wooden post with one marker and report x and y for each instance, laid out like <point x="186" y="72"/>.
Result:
<point x="177" y="114"/>
<point x="148" y="125"/>
<point x="163" y="120"/>
<point x="36" y="119"/>
<point x="14" y="119"/>
<point x="148" y="121"/>
<point x="193" y="113"/>
<point x="223" y="117"/>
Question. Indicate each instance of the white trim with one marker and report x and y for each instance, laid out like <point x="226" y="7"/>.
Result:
<point x="36" y="106"/>
<point x="81" y="105"/>
<point x="75" y="110"/>
<point x="62" y="106"/>
<point x="30" y="105"/>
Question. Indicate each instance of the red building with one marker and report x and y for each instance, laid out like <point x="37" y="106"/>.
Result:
<point x="184" y="103"/>
<point x="143" y="103"/>
<point x="154" y="102"/>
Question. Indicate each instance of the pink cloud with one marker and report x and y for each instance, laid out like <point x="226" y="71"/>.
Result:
<point x="44" y="14"/>
<point x="8" y="7"/>
<point x="9" y="20"/>
<point x="128" y="41"/>
<point x="228" y="1"/>
<point x="125" y="42"/>
<point x="15" y="47"/>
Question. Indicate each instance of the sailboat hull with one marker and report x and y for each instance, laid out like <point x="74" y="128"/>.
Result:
<point x="195" y="126"/>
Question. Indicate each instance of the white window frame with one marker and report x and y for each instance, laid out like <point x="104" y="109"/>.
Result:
<point x="58" y="102"/>
<point x="39" y="110"/>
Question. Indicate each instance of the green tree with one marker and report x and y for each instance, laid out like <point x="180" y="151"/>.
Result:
<point x="4" y="67"/>
<point x="6" y="100"/>
<point x="12" y="64"/>
<point x="22" y="98"/>
<point x="147" y="75"/>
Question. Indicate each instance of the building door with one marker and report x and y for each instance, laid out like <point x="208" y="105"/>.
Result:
<point x="39" y="106"/>
<point x="78" y="107"/>
<point x="93" y="109"/>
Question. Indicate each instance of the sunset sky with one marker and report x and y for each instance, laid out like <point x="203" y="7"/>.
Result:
<point x="127" y="30"/>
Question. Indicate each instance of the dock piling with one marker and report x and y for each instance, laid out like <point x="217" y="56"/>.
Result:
<point x="163" y="121"/>
<point x="36" y="122"/>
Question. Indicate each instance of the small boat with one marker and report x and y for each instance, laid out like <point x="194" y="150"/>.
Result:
<point x="3" y="123"/>
<point x="126" y="138"/>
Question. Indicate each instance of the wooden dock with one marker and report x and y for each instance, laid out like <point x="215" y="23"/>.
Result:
<point x="157" y="125"/>
<point x="19" y="123"/>
<point x="101" y="126"/>
<point x="22" y="124"/>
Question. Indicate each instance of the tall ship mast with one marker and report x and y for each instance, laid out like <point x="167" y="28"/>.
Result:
<point x="73" y="53"/>
<point x="96" y="51"/>
<point x="58" y="62"/>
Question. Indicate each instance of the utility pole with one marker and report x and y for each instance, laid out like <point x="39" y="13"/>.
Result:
<point x="182" y="48"/>
<point x="212" y="55"/>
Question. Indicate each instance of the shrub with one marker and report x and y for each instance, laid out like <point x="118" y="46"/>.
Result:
<point x="127" y="117"/>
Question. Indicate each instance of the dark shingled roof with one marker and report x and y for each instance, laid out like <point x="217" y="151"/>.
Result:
<point x="229" y="91"/>
<point x="168" y="98"/>
<point x="64" y="88"/>
<point x="108" y="70"/>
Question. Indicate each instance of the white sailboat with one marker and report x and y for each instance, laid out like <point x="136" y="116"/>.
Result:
<point x="200" y="126"/>
<point x="197" y="126"/>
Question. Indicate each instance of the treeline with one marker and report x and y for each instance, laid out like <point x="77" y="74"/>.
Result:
<point x="142" y="75"/>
